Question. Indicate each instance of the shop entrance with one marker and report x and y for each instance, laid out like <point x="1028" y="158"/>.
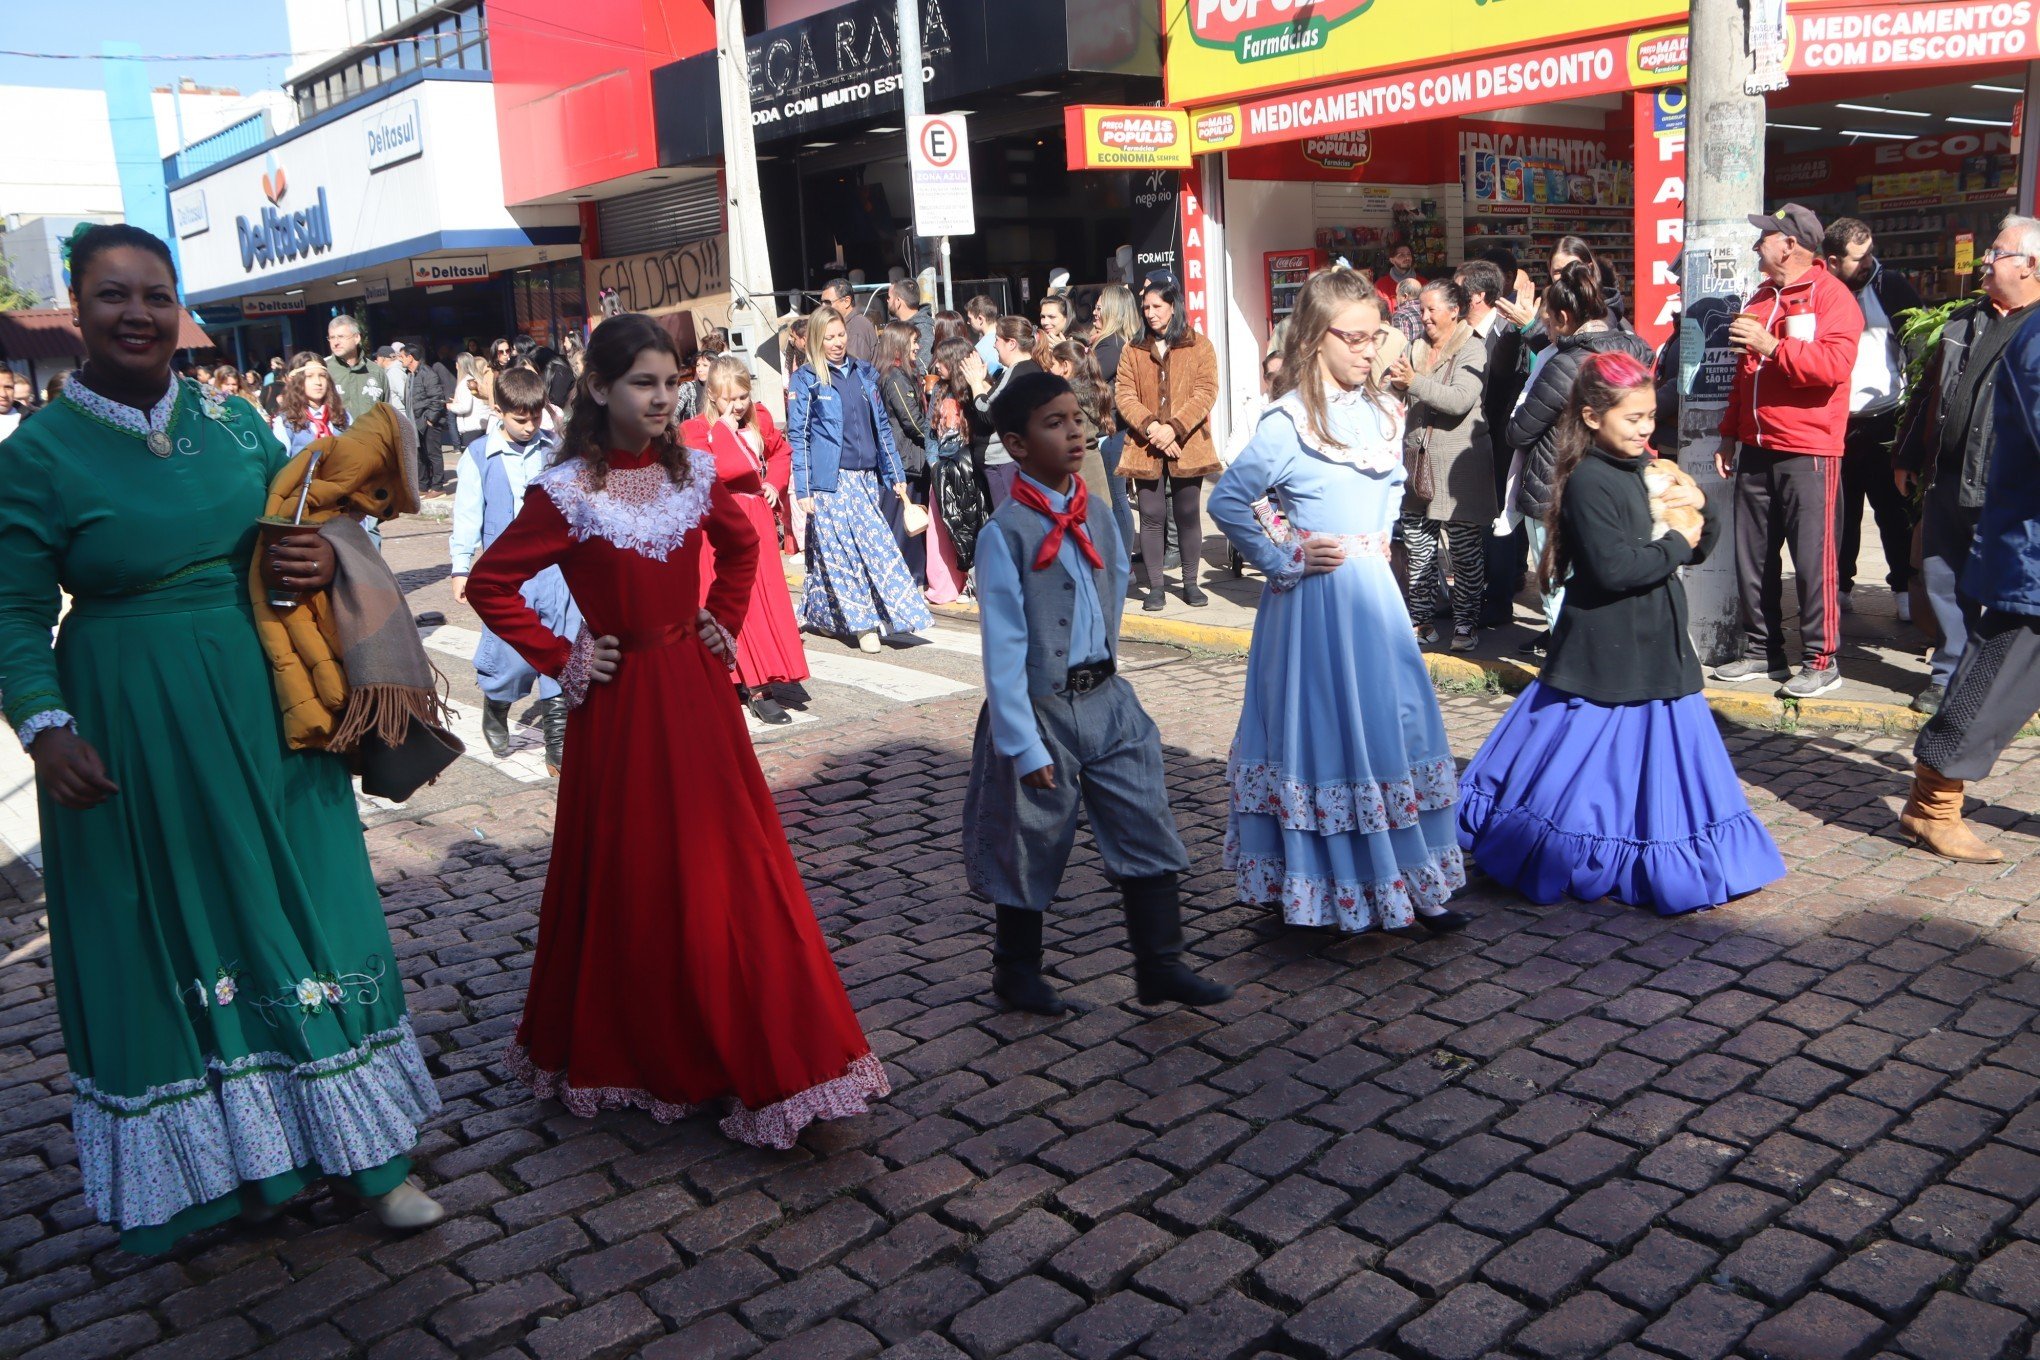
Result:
<point x="1930" y="169"/>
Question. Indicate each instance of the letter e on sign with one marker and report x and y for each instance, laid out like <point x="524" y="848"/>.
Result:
<point x="938" y="154"/>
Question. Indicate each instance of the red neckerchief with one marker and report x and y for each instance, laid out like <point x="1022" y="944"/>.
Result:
<point x="1069" y="520"/>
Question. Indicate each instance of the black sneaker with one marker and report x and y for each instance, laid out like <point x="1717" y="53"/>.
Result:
<point x="1749" y="668"/>
<point x="1155" y="603"/>
<point x="1536" y="645"/>
<point x="1810" y="682"/>
<point x="1930" y="699"/>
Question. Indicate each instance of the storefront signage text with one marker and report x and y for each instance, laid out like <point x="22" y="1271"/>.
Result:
<point x="1572" y="71"/>
<point x="1896" y="36"/>
<point x="1660" y="122"/>
<point x="187" y="208"/>
<point x="376" y="290"/>
<point x="395" y="134"/>
<point x="450" y="269"/>
<point x="1098" y="138"/>
<point x="859" y="62"/>
<point x="278" y="234"/>
<point x="1227" y="49"/>
<point x="271" y="306"/>
<point x="663" y="280"/>
<point x="1341" y="151"/>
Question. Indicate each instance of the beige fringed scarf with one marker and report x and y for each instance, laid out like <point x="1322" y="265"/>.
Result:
<point x="390" y="681"/>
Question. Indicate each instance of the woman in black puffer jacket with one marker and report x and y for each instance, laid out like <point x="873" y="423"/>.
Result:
<point x="1577" y="315"/>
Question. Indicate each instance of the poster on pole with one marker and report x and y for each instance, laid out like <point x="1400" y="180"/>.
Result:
<point x="938" y="154"/>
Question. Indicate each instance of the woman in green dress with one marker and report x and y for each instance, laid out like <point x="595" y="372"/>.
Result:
<point x="231" y="1006"/>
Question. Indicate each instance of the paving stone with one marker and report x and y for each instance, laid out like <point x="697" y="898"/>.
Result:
<point x="717" y="1283"/>
<point x="1787" y="1164"/>
<point x="1114" y="1326"/>
<point x="1704" y="1325"/>
<point x="1618" y="1213"/>
<point x="1957" y="1328"/>
<point x="1355" y="1315"/>
<point x="1889" y="1278"/>
<point x="1028" y="1308"/>
<point x="1545" y="1265"/>
<point x="2009" y="1277"/>
<point x="1725" y="1214"/>
<point x="917" y="1303"/>
<point x="609" y="1328"/>
<point x="1465" y="1325"/>
<point x="803" y="1303"/>
<point x="1303" y="1270"/>
<point x="1207" y="1198"/>
<point x="1292" y="1207"/>
<point x="1656" y="1271"/>
<point x="1197" y="1269"/>
<point x="1103" y="1259"/>
<point x="1439" y="1258"/>
<point x="1818" y="1327"/>
<point x="1403" y="1207"/>
<point x="1689" y="1162"/>
<point x="1018" y="1247"/>
<point x="1952" y="1221"/>
<point x="1510" y="1205"/>
<point x="1778" y="1265"/>
<point x="1583" y="1160"/>
<point x="1585" y="1327"/>
<point x="1228" y="1327"/>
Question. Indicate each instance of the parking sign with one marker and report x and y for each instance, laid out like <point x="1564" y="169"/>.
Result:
<point x="938" y="153"/>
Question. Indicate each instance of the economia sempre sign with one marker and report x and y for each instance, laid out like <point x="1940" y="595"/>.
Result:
<point x="1224" y="49"/>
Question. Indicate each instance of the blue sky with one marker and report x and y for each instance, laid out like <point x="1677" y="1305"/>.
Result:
<point x="161" y="27"/>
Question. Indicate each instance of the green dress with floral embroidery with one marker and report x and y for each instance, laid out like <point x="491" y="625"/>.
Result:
<point x="231" y="1007"/>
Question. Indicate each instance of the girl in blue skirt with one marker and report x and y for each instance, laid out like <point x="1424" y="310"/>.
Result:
<point x="1607" y="777"/>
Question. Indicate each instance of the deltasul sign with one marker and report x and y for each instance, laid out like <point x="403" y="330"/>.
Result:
<point x="1256" y="30"/>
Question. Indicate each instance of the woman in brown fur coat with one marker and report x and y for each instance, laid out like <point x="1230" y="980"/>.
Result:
<point x="1167" y="385"/>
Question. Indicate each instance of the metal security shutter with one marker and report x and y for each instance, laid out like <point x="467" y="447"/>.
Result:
<point x="659" y="219"/>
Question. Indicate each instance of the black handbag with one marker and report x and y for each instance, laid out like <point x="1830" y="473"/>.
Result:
<point x="397" y="772"/>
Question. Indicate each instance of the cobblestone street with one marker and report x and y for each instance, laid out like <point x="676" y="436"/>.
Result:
<point x="1800" y="1128"/>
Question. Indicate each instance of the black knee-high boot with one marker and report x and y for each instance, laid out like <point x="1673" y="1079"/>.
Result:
<point x="1154" y="927"/>
<point x="1016" y="964"/>
<point x="552" y="721"/>
<point x="496" y="727"/>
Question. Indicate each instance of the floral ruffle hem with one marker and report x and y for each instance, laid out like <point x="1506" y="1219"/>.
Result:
<point x="1311" y="900"/>
<point x="775" y="1126"/>
<point x="1371" y="806"/>
<point x="144" y="1159"/>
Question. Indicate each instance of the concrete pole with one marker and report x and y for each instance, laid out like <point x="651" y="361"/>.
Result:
<point x="1724" y="185"/>
<point x="915" y="96"/>
<point x="752" y="307"/>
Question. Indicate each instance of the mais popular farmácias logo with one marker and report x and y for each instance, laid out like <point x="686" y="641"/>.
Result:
<point x="1256" y="30"/>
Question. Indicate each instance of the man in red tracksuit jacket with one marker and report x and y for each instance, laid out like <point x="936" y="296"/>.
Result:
<point x="1788" y="413"/>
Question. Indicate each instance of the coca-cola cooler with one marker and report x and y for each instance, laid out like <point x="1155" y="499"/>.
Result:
<point x="1287" y="269"/>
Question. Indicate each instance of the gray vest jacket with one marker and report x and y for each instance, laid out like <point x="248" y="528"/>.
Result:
<point x="1049" y="595"/>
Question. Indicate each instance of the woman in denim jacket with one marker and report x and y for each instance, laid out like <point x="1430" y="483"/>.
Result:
<point x="844" y="464"/>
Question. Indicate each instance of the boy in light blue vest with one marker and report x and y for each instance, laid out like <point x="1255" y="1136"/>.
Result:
<point x="494" y="472"/>
<point x="1060" y="728"/>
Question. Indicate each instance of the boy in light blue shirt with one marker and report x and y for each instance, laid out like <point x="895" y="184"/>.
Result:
<point x="495" y="472"/>
<point x="1060" y="730"/>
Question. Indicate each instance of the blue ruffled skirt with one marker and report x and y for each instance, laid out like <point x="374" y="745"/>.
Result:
<point x="1639" y="802"/>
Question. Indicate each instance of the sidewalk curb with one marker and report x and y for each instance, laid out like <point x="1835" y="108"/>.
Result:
<point x="1462" y="675"/>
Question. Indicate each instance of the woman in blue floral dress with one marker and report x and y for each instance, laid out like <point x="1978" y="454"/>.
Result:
<point x="1342" y="780"/>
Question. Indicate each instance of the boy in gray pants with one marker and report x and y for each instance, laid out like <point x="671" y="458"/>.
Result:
<point x="1059" y="725"/>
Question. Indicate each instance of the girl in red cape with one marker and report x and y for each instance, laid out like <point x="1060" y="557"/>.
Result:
<point x="678" y="960"/>
<point x="754" y="463"/>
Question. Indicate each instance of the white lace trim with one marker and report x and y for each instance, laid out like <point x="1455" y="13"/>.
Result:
<point x="638" y="509"/>
<point x="775" y="1126"/>
<point x="1372" y="437"/>
<point x="144" y="1159"/>
<point x="1309" y="900"/>
<point x="133" y="420"/>
<point x="1263" y="788"/>
<point x="43" y="722"/>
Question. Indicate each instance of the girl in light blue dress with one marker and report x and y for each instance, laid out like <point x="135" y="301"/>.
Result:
<point x="1342" y="780"/>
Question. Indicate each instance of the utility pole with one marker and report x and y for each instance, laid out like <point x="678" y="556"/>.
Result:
<point x="915" y="97"/>
<point x="753" y="309"/>
<point x="1724" y="185"/>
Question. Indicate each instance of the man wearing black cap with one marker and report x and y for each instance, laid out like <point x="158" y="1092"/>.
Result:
<point x="1788" y="414"/>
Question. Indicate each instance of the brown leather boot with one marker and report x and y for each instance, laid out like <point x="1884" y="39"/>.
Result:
<point x="1933" y="818"/>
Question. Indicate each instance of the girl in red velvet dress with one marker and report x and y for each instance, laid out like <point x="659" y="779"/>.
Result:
<point x="678" y="960"/>
<point x="753" y="462"/>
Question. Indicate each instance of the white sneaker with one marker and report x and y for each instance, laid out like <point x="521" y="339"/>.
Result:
<point x="867" y="642"/>
<point x="1904" y="600"/>
<point x="1846" y="597"/>
<point x="408" y="1208"/>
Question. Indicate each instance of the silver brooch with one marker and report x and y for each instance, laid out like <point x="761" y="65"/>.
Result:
<point x="159" y="443"/>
